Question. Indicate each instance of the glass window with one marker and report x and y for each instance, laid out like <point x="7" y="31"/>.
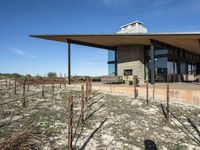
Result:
<point x="111" y="69"/>
<point x="111" y="63"/>
<point x="161" y="69"/>
<point x="128" y="72"/>
<point x="189" y="69"/>
<point x="170" y="68"/>
<point x="161" y="59"/>
<point x="183" y="69"/>
<point x="111" y="55"/>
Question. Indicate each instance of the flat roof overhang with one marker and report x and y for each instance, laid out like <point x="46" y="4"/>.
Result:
<point x="187" y="41"/>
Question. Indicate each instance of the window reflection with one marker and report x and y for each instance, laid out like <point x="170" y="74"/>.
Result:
<point x="111" y="69"/>
<point x="111" y="63"/>
<point x="171" y="64"/>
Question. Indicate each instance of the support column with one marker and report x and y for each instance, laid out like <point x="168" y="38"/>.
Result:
<point x="116" y="62"/>
<point x="69" y="63"/>
<point x="152" y="66"/>
<point x="174" y="74"/>
<point x="178" y="63"/>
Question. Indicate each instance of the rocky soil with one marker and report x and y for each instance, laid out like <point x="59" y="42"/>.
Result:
<point x="112" y="121"/>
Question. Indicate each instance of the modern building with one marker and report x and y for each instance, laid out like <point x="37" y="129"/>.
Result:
<point x="160" y="57"/>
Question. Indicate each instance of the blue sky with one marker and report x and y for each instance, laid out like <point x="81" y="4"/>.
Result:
<point x="18" y="18"/>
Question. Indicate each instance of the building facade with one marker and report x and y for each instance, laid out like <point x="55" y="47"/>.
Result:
<point x="171" y="64"/>
<point x="132" y="51"/>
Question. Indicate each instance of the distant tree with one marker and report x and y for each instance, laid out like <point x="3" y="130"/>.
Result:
<point x="52" y="74"/>
<point x="16" y="75"/>
<point x="28" y="75"/>
<point x="38" y="76"/>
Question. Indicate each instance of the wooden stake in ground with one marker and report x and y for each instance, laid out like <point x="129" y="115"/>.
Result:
<point x="82" y="104"/>
<point x="15" y="86"/>
<point x="6" y="82"/>
<point x="9" y="83"/>
<point x="53" y="85"/>
<point x="135" y="84"/>
<point x="60" y="80"/>
<point x="86" y="92"/>
<point x="147" y="92"/>
<point x="153" y="90"/>
<point x="91" y="85"/>
<point x="24" y="89"/>
<point x="65" y="82"/>
<point x="70" y="119"/>
<point x="167" y="115"/>
<point x="89" y="88"/>
<point x="135" y="91"/>
<point x="42" y="88"/>
<point x="28" y="83"/>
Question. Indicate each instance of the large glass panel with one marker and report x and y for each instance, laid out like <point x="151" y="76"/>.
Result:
<point x="189" y="68"/>
<point x="161" y="59"/>
<point x="183" y="69"/>
<point x="170" y="62"/>
<point x="170" y="68"/>
<point x="111" y="55"/>
<point x="111" y="69"/>
<point x="111" y="63"/>
<point x="161" y="69"/>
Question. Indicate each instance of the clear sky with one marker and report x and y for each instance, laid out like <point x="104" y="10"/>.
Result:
<point x="18" y="18"/>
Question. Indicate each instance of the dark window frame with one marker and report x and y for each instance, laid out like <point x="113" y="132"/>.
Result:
<point x="128" y="72"/>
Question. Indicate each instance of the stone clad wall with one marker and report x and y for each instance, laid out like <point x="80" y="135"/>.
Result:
<point x="191" y="97"/>
<point x="131" y="57"/>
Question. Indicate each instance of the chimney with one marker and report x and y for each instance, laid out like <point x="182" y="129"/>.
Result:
<point x="133" y="27"/>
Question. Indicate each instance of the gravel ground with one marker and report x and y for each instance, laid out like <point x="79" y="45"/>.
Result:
<point x="112" y="121"/>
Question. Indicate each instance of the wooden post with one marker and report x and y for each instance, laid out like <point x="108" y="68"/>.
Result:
<point x="167" y="115"/>
<point x="15" y="87"/>
<point x="9" y="82"/>
<point x="42" y="88"/>
<point x="86" y="92"/>
<point x="89" y="88"/>
<point x="153" y="90"/>
<point x="65" y="82"/>
<point x="147" y="92"/>
<point x="53" y="85"/>
<point x="24" y="89"/>
<point x="135" y="91"/>
<point x="82" y="104"/>
<point x="28" y="83"/>
<point x="135" y="84"/>
<point x="91" y="85"/>
<point x="60" y="80"/>
<point x="70" y="119"/>
<point x="6" y="82"/>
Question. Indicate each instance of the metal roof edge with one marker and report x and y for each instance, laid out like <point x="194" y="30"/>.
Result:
<point x="121" y="34"/>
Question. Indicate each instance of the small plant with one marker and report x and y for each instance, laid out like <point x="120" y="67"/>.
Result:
<point x="52" y="75"/>
<point x="180" y="147"/>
